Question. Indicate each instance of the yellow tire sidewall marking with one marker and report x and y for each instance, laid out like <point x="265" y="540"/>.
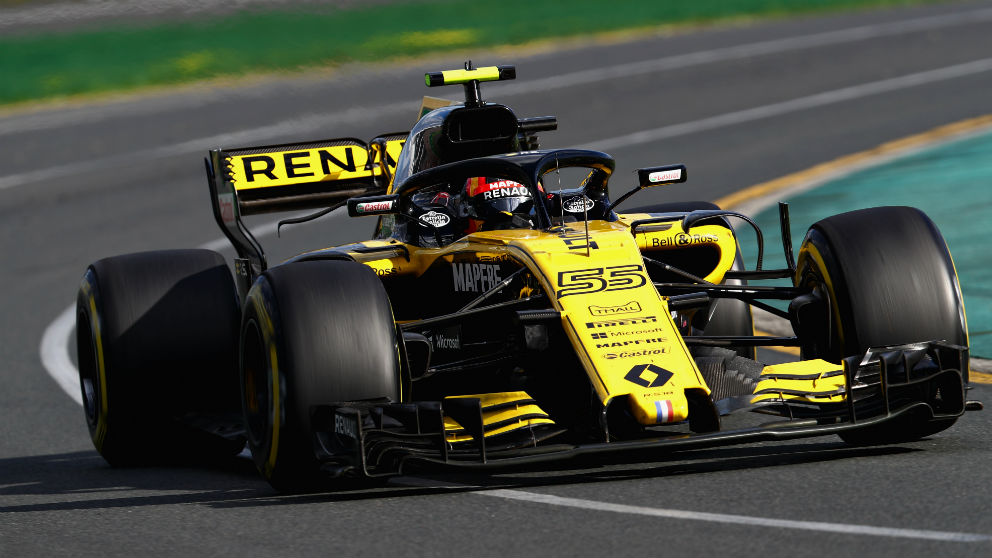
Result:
<point x="809" y="250"/>
<point x="101" y="422"/>
<point x="267" y="330"/>
<point x="270" y="464"/>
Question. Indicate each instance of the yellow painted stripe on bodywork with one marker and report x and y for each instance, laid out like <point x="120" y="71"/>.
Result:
<point x="486" y="73"/>
<point x="487" y="400"/>
<point x="789" y="383"/>
<point x="494" y="417"/>
<point x="453" y="435"/>
<point x="495" y="409"/>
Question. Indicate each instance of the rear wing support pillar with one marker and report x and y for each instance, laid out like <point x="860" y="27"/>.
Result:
<point x="250" y="262"/>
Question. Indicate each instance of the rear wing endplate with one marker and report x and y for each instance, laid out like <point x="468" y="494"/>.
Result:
<point x="318" y="174"/>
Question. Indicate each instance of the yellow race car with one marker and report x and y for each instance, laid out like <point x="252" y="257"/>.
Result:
<point x="506" y="311"/>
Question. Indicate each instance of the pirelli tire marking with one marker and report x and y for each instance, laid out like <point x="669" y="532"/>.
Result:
<point x="620" y="322"/>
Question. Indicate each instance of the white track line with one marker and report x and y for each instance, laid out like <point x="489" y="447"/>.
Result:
<point x="55" y="353"/>
<point x="737" y="52"/>
<point x="318" y="122"/>
<point x="820" y="526"/>
<point x="793" y="105"/>
<point x="302" y="125"/>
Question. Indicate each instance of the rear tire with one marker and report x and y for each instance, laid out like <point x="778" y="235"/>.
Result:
<point x="156" y="335"/>
<point x="727" y="316"/>
<point x="313" y="333"/>
<point x="888" y="279"/>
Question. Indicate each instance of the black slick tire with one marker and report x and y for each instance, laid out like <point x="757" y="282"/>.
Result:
<point x="313" y="333"/>
<point x="887" y="277"/>
<point x="156" y="337"/>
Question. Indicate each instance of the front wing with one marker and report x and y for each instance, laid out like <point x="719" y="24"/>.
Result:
<point x="883" y="386"/>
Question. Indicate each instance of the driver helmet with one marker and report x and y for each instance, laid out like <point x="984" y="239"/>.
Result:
<point x="492" y="203"/>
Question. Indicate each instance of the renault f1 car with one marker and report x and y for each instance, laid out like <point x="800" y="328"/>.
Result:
<point x="506" y="311"/>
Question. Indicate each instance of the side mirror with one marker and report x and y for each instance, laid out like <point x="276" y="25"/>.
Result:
<point x="373" y="205"/>
<point x="657" y="176"/>
<point x="653" y="176"/>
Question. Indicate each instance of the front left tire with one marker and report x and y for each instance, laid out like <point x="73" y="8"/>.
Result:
<point x="313" y="333"/>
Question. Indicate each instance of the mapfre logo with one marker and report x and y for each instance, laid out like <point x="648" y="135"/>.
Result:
<point x="475" y="277"/>
<point x="629" y="308"/>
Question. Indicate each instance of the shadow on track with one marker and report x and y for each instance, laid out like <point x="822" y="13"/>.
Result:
<point x="83" y="481"/>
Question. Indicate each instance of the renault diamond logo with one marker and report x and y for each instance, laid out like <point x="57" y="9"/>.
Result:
<point x="642" y="374"/>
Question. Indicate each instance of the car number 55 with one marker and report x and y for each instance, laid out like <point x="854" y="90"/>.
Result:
<point x="614" y="278"/>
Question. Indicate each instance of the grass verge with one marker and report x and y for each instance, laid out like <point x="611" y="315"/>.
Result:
<point x="127" y="57"/>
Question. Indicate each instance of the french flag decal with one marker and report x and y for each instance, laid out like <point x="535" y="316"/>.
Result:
<point x="664" y="409"/>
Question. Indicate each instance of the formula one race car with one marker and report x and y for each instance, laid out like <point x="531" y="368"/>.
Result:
<point x="505" y="312"/>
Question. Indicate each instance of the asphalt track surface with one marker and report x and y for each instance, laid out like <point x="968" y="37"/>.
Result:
<point x="738" y="105"/>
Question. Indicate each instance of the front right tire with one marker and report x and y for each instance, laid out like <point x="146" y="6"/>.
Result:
<point x="885" y="277"/>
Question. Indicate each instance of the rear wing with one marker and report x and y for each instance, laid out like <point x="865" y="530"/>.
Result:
<point x="292" y="176"/>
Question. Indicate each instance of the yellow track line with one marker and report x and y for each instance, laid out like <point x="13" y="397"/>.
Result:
<point x="824" y="169"/>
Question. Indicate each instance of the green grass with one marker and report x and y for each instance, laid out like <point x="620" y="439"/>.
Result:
<point x="121" y="58"/>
